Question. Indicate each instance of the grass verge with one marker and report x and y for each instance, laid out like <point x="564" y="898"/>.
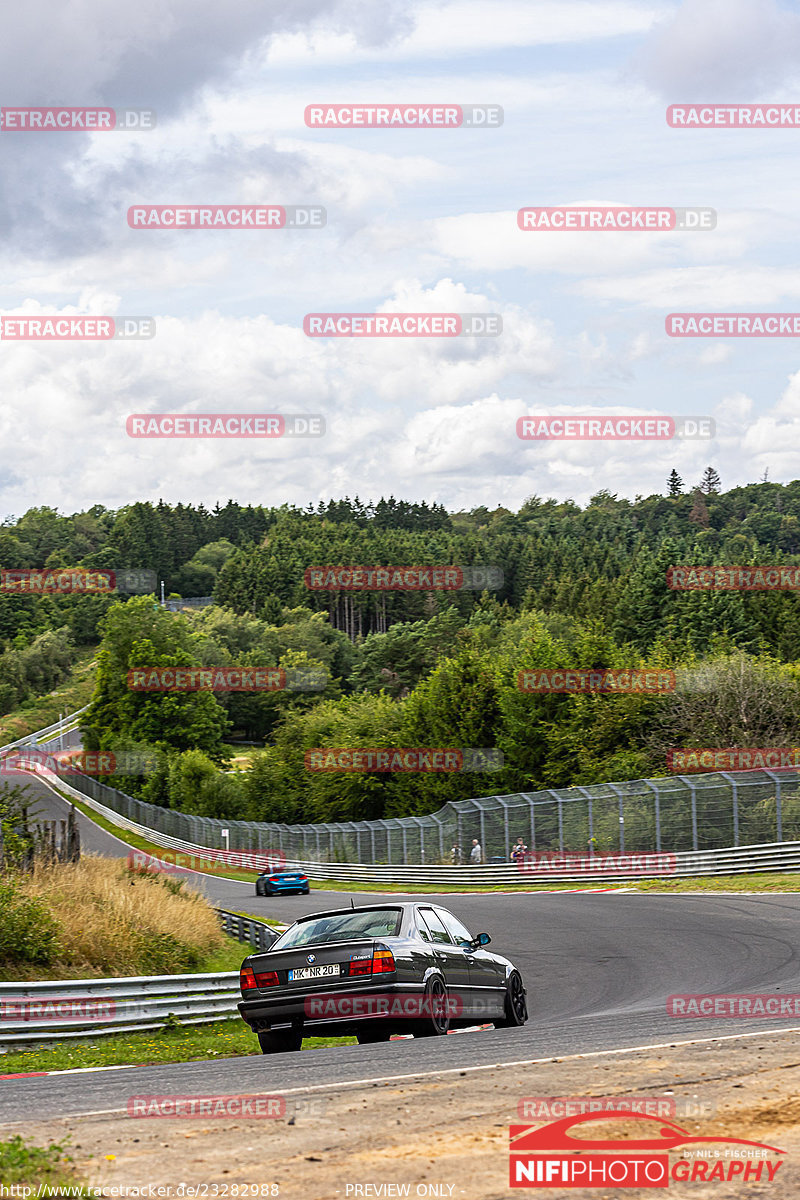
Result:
<point x="184" y="1043"/>
<point x="36" y="714"/>
<point x="96" y="918"/>
<point x="23" y="1163"/>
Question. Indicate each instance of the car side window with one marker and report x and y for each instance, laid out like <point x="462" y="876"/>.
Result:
<point x="457" y="931"/>
<point x="438" y="932"/>
<point x="422" y="928"/>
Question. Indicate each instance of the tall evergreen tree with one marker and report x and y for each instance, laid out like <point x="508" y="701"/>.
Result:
<point x="711" y="482"/>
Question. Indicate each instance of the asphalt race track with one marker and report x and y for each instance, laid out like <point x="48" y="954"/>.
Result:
<point x="598" y="968"/>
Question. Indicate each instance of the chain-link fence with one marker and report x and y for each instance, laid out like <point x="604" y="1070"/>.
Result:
<point x="689" y="812"/>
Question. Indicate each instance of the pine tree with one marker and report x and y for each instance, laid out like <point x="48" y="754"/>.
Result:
<point x="711" y="482"/>
<point x="674" y="483"/>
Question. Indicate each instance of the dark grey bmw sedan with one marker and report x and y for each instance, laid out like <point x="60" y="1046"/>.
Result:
<point x="374" y="971"/>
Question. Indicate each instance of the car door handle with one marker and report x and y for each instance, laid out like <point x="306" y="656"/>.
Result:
<point x="438" y="954"/>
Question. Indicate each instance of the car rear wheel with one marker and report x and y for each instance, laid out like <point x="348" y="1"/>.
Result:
<point x="515" y="1007"/>
<point x="280" y="1041"/>
<point x="436" y="1021"/>
<point x="375" y="1033"/>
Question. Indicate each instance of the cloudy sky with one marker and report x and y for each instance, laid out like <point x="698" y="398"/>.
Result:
<point x="417" y="221"/>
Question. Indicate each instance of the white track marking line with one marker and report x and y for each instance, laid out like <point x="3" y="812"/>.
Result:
<point x="420" y="1075"/>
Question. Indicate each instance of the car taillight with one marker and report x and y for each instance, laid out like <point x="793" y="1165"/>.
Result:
<point x="362" y="966"/>
<point x="247" y="980"/>
<point x="267" y="979"/>
<point x="382" y="961"/>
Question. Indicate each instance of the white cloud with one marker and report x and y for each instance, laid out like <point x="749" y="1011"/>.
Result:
<point x="722" y="50"/>
<point x="467" y="26"/>
<point x="704" y="289"/>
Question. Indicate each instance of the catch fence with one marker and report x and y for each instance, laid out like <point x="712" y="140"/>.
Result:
<point x="673" y="814"/>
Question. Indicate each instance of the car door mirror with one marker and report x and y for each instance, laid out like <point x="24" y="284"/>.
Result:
<point x="483" y="939"/>
<point x="466" y="945"/>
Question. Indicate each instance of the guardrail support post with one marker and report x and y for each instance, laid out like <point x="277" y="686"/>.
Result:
<point x="735" y="805"/>
<point x="529" y="798"/>
<point x="778" y="806"/>
<point x="618" y="792"/>
<point x="693" y="790"/>
<point x="657" y="798"/>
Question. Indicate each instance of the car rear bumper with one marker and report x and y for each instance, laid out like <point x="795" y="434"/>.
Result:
<point x="332" y="1011"/>
<point x="341" y="1011"/>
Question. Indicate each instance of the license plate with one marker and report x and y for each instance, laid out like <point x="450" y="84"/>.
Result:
<point x="314" y="972"/>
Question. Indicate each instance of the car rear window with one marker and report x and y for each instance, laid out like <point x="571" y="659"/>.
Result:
<point x="341" y="927"/>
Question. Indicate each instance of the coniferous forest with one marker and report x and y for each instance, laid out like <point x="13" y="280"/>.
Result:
<point x="581" y="587"/>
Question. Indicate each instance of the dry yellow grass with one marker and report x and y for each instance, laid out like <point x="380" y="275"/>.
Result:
<point x="120" y="922"/>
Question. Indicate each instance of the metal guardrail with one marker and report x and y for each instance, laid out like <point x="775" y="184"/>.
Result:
<point x="677" y="813"/>
<point x="32" y="739"/>
<point x="259" y="935"/>
<point x="733" y="860"/>
<point x="39" y="1013"/>
<point x="81" y="1008"/>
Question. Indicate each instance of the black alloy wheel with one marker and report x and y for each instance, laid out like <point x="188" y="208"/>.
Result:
<point x="515" y="1006"/>
<point x="436" y="1021"/>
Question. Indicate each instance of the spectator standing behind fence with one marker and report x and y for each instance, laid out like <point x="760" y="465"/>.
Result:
<point x="519" y="850"/>
<point x="476" y="854"/>
<point x="455" y="854"/>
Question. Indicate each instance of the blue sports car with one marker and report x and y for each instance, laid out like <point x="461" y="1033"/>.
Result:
<point x="286" y="879"/>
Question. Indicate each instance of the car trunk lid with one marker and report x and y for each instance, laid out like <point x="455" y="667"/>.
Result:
<point x="310" y="967"/>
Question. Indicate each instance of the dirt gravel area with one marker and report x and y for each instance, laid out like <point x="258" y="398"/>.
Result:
<point x="448" y="1135"/>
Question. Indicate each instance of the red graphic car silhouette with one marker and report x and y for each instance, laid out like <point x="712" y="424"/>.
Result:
<point x="557" y="1136"/>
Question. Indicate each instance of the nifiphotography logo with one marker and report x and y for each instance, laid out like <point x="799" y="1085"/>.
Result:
<point x="562" y="1154"/>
